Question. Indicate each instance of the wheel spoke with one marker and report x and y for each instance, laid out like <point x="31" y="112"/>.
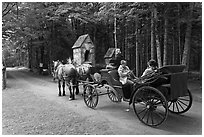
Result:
<point x="173" y="106"/>
<point x="88" y="102"/>
<point x="142" y="110"/>
<point x="158" y="103"/>
<point x="184" y="99"/>
<point x="158" y="114"/>
<point x="148" y="116"/>
<point x="170" y="104"/>
<point x="142" y="103"/>
<point x="145" y="114"/>
<point x="182" y="103"/>
<point x="87" y="98"/>
<point x="152" y="118"/>
<point x="177" y="107"/>
<point x="92" y="103"/>
<point x="138" y="100"/>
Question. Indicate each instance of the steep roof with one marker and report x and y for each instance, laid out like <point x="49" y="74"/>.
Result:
<point x="80" y="41"/>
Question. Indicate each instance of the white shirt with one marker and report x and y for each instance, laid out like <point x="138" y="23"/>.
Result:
<point x="123" y="71"/>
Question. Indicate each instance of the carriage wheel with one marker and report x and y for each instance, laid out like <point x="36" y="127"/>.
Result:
<point x="181" y="104"/>
<point x="113" y="97"/>
<point x="150" y="106"/>
<point x="90" y="96"/>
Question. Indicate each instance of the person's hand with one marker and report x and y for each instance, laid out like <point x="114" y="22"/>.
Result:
<point x="125" y="74"/>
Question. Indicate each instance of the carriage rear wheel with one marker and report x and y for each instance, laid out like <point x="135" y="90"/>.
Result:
<point x="181" y="104"/>
<point x="90" y="96"/>
<point x="150" y="106"/>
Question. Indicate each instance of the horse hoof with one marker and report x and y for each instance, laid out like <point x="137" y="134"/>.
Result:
<point x="64" y="94"/>
<point x="59" y="94"/>
<point x="70" y="99"/>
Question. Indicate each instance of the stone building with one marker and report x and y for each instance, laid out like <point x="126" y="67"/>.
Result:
<point x="84" y="50"/>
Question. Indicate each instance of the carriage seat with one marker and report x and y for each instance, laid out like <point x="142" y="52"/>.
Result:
<point x="178" y="84"/>
<point x="115" y="77"/>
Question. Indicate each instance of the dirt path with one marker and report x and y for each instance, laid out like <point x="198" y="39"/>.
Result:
<point x="30" y="105"/>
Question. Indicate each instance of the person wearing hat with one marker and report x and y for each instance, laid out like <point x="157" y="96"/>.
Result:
<point x="151" y="68"/>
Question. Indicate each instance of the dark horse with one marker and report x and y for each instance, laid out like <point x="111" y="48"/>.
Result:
<point x="67" y="73"/>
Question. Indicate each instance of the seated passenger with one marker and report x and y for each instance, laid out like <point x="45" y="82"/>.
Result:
<point x="127" y="84"/>
<point x="151" y="68"/>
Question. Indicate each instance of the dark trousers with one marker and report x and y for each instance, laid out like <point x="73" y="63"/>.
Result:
<point x="127" y="89"/>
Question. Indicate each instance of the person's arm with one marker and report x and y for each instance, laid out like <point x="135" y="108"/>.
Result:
<point x="145" y="72"/>
<point x="120" y="72"/>
<point x="148" y="72"/>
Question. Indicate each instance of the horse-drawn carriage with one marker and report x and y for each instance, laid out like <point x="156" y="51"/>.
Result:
<point x="152" y="97"/>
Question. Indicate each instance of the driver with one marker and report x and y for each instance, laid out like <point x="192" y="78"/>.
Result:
<point x="127" y="84"/>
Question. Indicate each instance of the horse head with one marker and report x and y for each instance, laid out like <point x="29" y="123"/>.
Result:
<point x="56" y="64"/>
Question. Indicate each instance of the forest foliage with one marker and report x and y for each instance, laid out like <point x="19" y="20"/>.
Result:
<point x="169" y="32"/>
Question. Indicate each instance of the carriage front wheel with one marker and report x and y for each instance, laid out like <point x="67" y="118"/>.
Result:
<point x="90" y="96"/>
<point x="150" y="106"/>
<point x="181" y="104"/>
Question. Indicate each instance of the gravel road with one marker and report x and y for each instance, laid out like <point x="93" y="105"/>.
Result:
<point x="30" y="106"/>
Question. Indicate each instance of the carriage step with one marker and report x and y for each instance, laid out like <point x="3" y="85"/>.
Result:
<point x="117" y="87"/>
<point x="166" y="85"/>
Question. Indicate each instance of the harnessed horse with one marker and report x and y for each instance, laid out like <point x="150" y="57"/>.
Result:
<point x="67" y="74"/>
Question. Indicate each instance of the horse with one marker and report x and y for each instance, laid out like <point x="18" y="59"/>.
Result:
<point x="67" y="74"/>
<point x="84" y="71"/>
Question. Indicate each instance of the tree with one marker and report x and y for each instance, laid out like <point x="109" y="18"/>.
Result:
<point x="141" y="30"/>
<point x="186" y="51"/>
<point x="158" y="46"/>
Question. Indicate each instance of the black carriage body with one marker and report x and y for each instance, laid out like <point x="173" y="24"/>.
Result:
<point x="169" y="77"/>
<point x="111" y="78"/>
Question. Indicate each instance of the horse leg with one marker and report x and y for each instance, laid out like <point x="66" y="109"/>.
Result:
<point x="76" y="86"/>
<point x="59" y="86"/>
<point x="70" y="91"/>
<point x="73" y="95"/>
<point x="77" y="89"/>
<point x="63" y="85"/>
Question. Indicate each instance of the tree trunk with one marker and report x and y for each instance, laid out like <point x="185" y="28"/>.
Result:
<point x="147" y="47"/>
<point x="165" y="62"/>
<point x="173" y="53"/>
<point x="201" y="68"/>
<point x="115" y="29"/>
<point x="136" y="48"/>
<point x="159" y="60"/>
<point x="127" y="45"/>
<point x="179" y="37"/>
<point x="125" y="39"/>
<point x="115" y="33"/>
<point x="152" y="36"/>
<point x="186" y="51"/>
